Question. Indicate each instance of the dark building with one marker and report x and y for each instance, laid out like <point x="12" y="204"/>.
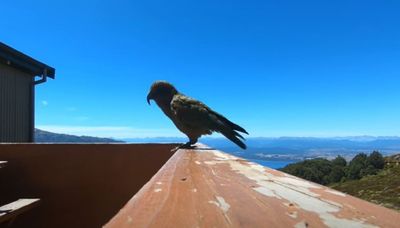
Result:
<point x="17" y="93"/>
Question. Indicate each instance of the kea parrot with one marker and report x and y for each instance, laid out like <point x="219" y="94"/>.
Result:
<point x="191" y="116"/>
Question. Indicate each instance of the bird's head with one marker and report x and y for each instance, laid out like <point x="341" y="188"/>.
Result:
<point x="161" y="91"/>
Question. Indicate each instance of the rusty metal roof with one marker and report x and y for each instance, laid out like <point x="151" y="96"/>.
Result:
<point x="209" y="188"/>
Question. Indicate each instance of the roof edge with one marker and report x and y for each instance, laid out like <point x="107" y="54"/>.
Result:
<point x="12" y="57"/>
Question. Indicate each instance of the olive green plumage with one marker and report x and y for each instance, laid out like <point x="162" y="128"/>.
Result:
<point x="192" y="117"/>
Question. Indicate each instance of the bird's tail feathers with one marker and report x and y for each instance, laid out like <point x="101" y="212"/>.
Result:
<point x="234" y="137"/>
<point x="231" y="124"/>
<point x="238" y="135"/>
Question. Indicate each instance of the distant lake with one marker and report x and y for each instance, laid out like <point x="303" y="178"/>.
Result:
<point x="274" y="164"/>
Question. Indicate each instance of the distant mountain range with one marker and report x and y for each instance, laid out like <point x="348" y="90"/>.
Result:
<point x="267" y="149"/>
<point x="45" y="136"/>
<point x="291" y="144"/>
<point x="296" y="148"/>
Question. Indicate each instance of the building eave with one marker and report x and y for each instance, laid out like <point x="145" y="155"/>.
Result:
<point x="11" y="57"/>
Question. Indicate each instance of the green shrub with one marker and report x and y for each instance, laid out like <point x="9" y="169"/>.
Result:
<point x="376" y="160"/>
<point x="325" y="172"/>
<point x="339" y="161"/>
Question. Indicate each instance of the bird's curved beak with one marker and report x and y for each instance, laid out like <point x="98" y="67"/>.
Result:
<point x="149" y="97"/>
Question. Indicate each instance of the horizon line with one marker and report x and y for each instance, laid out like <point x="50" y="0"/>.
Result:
<point x="222" y="137"/>
<point x="123" y="132"/>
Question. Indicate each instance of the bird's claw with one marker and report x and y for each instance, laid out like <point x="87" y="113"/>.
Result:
<point x="187" y="145"/>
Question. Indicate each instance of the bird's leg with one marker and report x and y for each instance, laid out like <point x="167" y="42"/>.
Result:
<point x="187" y="145"/>
<point x="192" y="141"/>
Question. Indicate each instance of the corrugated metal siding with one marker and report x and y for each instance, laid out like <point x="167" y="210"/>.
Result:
<point x="15" y="105"/>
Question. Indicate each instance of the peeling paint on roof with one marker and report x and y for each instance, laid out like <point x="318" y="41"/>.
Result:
<point x="335" y="192"/>
<point x="211" y="162"/>
<point x="208" y="188"/>
<point x="301" y="224"/>
<point x="293" y="214"/>
<point x="129" y="219"/>
<point x="293" y="190"/>
<point x="223" y="205"/>
<point x="332" y="221"/>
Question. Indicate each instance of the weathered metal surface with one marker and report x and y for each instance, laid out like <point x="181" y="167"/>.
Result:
<point x="16" y="102"/>
<point x="209" y="188"/>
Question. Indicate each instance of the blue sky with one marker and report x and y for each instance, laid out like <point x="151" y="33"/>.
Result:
<point x="277" y="68"/>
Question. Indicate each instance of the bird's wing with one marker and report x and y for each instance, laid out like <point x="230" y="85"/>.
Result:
<point x="195" y="114"/>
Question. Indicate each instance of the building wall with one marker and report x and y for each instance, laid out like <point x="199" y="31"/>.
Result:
<point x="79" y="185"/>
<point x="16" y="108"/>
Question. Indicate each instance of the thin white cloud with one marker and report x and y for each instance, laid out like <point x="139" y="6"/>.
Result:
<point x="110" y="131"/>
<point x="44" y="103"/>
